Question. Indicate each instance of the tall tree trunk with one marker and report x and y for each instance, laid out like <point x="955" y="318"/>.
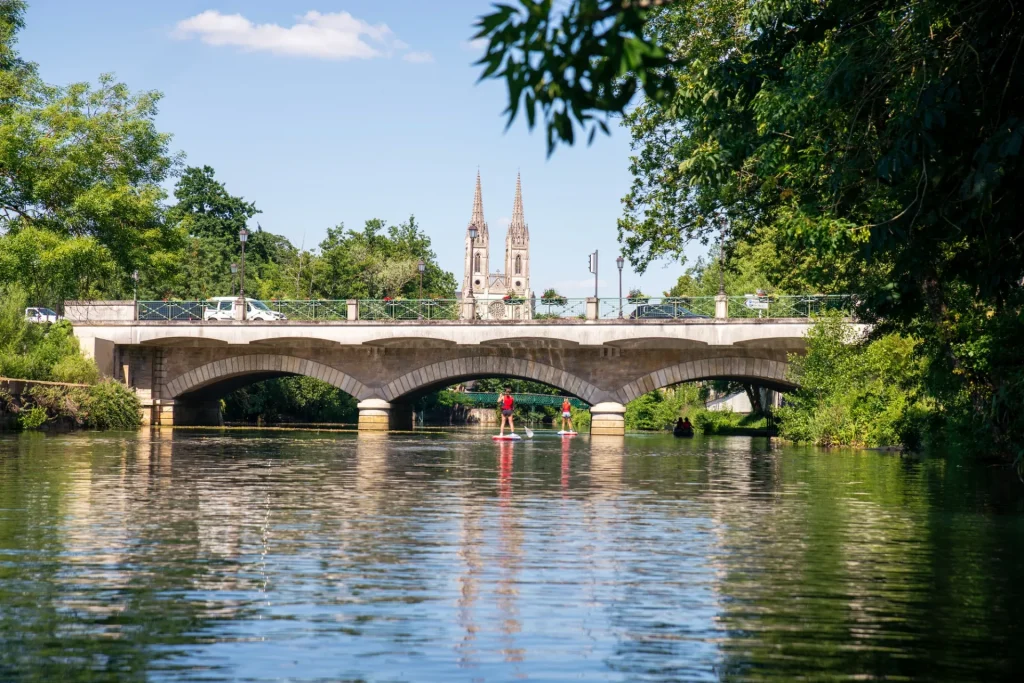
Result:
<point x="754" y="396"/>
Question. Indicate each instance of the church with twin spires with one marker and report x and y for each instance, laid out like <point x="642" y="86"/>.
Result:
<point x="490" y="288"/>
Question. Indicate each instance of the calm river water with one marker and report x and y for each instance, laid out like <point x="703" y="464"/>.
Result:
<point x="301" y="556"/>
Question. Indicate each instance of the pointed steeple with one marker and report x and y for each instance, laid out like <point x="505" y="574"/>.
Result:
<point x="477" y="218"/>
<point x="518" y="232"/>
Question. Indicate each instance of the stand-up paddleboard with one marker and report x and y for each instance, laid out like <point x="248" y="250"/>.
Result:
<point x="563" y="433"/>
<point x="507" y="437"/>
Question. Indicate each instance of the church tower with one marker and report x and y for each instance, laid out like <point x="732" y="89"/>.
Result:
<point x="517" y="247"/>
<point x="476" y="262"/>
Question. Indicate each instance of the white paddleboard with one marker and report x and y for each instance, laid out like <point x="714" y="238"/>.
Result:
<point x="568" y="433"/>
<point x="507" y="437"/>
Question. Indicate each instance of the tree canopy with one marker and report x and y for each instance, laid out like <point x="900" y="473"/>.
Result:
<point x="875" y="146"/>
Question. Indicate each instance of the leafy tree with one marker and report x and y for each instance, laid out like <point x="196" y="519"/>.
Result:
<point x="379" y="261"/>
<point x="876" y="146"/>
<point x="853" y="391"/>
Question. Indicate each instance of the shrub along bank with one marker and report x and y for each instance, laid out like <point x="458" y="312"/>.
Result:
<point x="50" y="352"/>
<point x="857" y="392"/>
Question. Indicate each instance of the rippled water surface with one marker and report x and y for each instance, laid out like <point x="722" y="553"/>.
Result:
<point x="297" y="556"/>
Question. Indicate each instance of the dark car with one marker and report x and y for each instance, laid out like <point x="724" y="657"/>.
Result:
<point x="171" y="310"/>
<point x="664" y="311"/>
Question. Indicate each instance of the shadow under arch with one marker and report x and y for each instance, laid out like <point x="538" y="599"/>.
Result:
<point x="220" y="377"/>
<point x="445" y="373"/>
<point x="769" y="373"/>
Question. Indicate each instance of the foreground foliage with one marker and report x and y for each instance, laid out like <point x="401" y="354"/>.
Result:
<point x="875" y="146"/>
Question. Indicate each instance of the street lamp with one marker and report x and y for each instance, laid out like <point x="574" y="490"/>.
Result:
<point x="721" y="254"/>
<point x="243" y="236"/>
<point x="619" y="262"/>
<point x="135" y="277"/>
<point x="421" y="266"/>
<point x="234" y="271"/>
<point x="472" y="258"/>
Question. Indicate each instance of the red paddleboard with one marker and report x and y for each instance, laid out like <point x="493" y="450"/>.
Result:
<point x="507" y="437"/>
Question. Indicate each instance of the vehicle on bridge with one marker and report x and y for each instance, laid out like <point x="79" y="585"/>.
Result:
<point x="667" y="310"/>
<point x="39" y="314"/>
<point x="224" y="308"/>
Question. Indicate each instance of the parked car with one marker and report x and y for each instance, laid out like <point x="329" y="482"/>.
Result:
<point x="38" y="314"/>
<point x="223" y="308"/>
<point x="663" y="311"/>
<point x="170" y="310"/>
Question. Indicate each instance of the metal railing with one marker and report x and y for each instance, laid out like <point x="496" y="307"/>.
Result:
<point x="518" y="309"/>
<point x="408" y="309"/>
<point x="659" y="308"/>
<point x="313" y="309"/>
<point x="560" y="308"/>
<point x="788" y="306"/>
<point x="171" y="310"/>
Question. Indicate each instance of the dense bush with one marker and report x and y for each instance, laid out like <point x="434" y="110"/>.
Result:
<point x="39" y="351"/>
<point x="854" y="391"/>
<point x="111" y="405"/>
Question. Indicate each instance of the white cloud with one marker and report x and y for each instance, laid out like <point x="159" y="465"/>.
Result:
<point x="418" y="57"/>
<point x="477" y="44"/>
<point x="334" y="36"/>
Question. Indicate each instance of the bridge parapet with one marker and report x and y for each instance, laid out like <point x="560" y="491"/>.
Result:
<point x="508" y="310"/>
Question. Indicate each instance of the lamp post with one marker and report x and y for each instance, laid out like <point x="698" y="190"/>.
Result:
<point x="721" y="255"/>
<point x="234" y="272"/>
<point x="421" y="266"/>
<point x="135" y="294"/>
<point x="472" y="257"/>
<point x="619" y="262"/>
<point x="243" y="236"/>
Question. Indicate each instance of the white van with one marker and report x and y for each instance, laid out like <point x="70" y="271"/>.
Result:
<point x="223" y="308"/>
<point x="38" y="314"/>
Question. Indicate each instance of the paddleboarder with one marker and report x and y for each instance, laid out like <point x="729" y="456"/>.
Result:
<point x="567" y="416"/>
<point x="506" y="402"/>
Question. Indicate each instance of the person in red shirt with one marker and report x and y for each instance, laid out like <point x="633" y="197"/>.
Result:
<point x="506" y="402"/>
<point x="567" y="415"/>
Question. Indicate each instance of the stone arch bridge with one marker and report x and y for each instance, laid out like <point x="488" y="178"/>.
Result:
<point x="180" y="370"/>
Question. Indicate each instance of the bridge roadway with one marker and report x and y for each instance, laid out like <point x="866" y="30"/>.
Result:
<point x="181" y="370"/>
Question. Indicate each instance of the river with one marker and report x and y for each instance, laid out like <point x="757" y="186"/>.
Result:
<point x="305" y="556"/>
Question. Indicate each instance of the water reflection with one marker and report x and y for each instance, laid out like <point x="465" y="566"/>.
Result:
<point x="177" y="556"/>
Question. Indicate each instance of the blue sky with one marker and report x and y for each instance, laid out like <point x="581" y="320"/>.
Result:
<point x="330" y="111"/>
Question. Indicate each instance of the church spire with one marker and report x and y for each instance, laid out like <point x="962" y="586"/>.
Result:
<point x="518" y="232"/>
<point x="478" y="208"/>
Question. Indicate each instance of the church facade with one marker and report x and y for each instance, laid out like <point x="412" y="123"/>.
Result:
<point x="504" y="294"/>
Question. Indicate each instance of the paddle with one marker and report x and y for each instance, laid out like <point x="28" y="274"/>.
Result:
<point x="529" y="432"/>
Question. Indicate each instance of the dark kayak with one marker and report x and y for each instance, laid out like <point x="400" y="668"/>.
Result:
<point x="683" y="433"/>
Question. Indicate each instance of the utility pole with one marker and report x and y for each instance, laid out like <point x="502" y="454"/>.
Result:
<point x="593" y="269"/>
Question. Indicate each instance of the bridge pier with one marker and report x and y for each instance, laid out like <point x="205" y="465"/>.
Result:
<point x="608" y="419"/>
<point x="377" y="415"/>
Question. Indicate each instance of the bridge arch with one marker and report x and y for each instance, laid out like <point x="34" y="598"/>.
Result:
<point x="449" y="372"/>
<point x="771" y="373"/>
<point x="260" y="366"/>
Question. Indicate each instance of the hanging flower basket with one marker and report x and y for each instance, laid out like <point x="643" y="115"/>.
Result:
<point x="552" y="298"/>
<point x="513" y="300"/>
<point x="637" y="297"/>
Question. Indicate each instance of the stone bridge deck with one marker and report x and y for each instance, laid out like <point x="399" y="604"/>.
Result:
<point x="181" y="369"/>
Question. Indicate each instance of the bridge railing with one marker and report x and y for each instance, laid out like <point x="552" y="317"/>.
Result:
<point x="314" y="309"/>
<point x="519" y="309"/>
<point x="408" y="309"/>
<point x="788" y="306"/>
<point x="659" y="308"/>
